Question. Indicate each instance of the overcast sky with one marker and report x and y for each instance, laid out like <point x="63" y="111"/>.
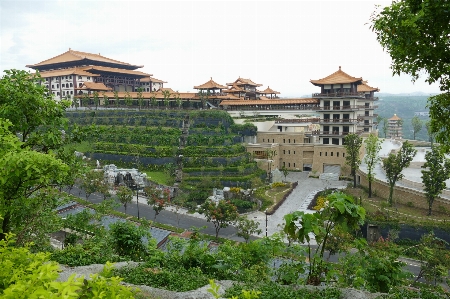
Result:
<point x="275" y="43"/>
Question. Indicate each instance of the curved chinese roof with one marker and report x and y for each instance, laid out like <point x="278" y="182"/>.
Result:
<point x="335" y="78"/>
<point x="73" y="58"/>
<point x="211" y="84"/>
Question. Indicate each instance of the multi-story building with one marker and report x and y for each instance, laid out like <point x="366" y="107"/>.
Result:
<point x="73" y="72"/>
<point x="346" y="106"/>
<point x="395" y="125"/>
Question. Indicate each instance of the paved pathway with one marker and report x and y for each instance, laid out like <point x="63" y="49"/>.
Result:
<point x="298" y="200"/>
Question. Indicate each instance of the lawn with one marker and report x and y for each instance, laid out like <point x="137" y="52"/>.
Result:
<point x="158" y="177"/>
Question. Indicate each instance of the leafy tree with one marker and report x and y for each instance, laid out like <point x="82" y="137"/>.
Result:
<point x="91" y="182"/>
<point x="157" y="198"/>
<point x="285" y="171"/>
<point x="417" y="125"/>
<point x="246" y="227"/>
<point x="105" y="99"/>
<point x="166" y="95"/>
<point x="128" y="99"/>
<point x="436" y="172"/>
<point x="125" y="196"/>
<point x="221" y="214"/>
<point x="385" y="126"/>
<point x="415" y="34"/>
<point x="340" y="210"/>
<point x="35" y="117"/>
<point x="96" y="99"/>
<point x="352" y="158"/>
<point x="153" y="101"/>
<point x="140" y="98"/>
<point x="24" y="177"/>
<point x="85" y="99"/>
<point x="394" y="164"/>
<point x="178" y="101"/>
<point x="373" y="146"/>
<point x="429" y="132"/>
<point x="116" y="97"/>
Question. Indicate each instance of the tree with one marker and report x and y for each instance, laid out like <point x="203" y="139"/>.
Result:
<point x="352" y="146"/>
<point x="25" y="176"/>
<point x="429" y="132"/>
<point x="340" y="210"/>
<point x="140" y="98"/>
<point x="385" y="126"/>
<point x="178" y="101"/>
<point x="116" y="97"/>
<point x="91" y="182"/>
<point x="128" y="99"/>
<point x="221" y="214"/>
<point x="417" y="125"/>
<point x="153" y="101"/>
<point x="166" y="95"/>
<point x="96" y="99"/>
<point x="85" y="99"/>
<point x="436" y="172"/>
<point x="246" y="227"/>
<point x="394" y="164"/>
<point x="285" y="171"/>
<point x="36" y="118"/>
<point x="157" y="198"/>
<point x="415" y="34"/>
<point x="125" y="196"/>
<point x="378" y="120"/>
<point x="373" y="146"/>
<point x="105" y="99"/>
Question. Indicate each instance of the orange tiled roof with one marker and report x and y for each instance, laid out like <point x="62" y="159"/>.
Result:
<point x="168" y="89"/>
<point x="269" y="90"/>
<point x="151" y="79"/>
<point x="115" y="70"/>
<point x="242" y="81"/>
<point x="270" y="102"/>
<point x="148" y="95"/>
<point x="65" y="72"/>
<point x="73" y="55"/>
<point x="395" y="117"/>
<point x="364" y="87"/>
<point x="335" y="78"/>
<point x="234" y="88"/>
<point x="211" y="84"/>
<point x="94" y="86"/>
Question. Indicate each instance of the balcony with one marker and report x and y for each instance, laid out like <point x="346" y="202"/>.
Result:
<point x="332" y="133"/>
<point x="339" y="95"/>
<point x="341" y="108"/>
<point x="338" y="121"/>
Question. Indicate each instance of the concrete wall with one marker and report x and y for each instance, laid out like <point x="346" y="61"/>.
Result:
<point x="402" y="195"/>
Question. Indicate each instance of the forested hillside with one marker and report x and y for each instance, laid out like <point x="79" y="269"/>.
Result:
<point x="404" y="107"/>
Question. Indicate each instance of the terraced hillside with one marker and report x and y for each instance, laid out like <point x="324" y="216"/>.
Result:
<point x="204" y="148"/>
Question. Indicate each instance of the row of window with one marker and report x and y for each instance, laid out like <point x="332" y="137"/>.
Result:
<point x="331" y="154"/>
<point x="56" y="93"/>
<point x="289" y="152"/>
<point x="273" y="140"/>
<point x="67" y="78"/>
<point x="333" y="141"/>
<point x="66" y="85"/>
<point x="289" y="164"/>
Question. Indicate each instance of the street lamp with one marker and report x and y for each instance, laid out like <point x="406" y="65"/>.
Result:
<point x="265" y="212"/>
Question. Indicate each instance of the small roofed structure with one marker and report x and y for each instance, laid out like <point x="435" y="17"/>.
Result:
<point x="395" y="125"/>
<point x="210" y="86"/>
<point x="246" y="88"/>
<point x="90" y="87"/>
<point x="367" y="90"/>
<point x="269" y="91"/>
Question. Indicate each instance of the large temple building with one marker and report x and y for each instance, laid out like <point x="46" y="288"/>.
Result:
<point x="305" y="134"/>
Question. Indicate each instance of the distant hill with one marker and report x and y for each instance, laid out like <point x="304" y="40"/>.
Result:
<point x="405" y="107"/>
<point x="412" y="94"/>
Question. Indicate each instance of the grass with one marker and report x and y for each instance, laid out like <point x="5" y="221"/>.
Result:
<point x="272" y="196"/>
<point x="158" y="177"/>
<point x="403" y="211"/>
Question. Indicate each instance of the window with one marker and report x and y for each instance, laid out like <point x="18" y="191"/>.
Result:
<point x="46" y="79"/>
<point x="331" y="154"/>
<point x="71" y="85"/>
<point x="64" y="93"/>
<point x="80" y="84"/>
<point x="67" y="77"/>
<point x="284" y="152"/>
<point x="71" y="92"/>
<point x="335" y="141"/>
<point x="294" y="140"/>
<point x="294" y="164"/>
<point x="263" y="139"/>
<point x="289" y="165"/>
<point x="53" y="86"/>
<point x="320" y="154"/>
<point x="284" y="164"/>
<point x="337" y="154"/>
<point x="289" y="140"/>
<point x="80" y="78"/>
<point x="88" y="78"/>
<point x="326" y="154"/>
<point x="57" y="85"/>
<point x="57" y="93"/>
<point x="343" y="155"/>
<point x="294" y="152"/>
<point x="289" y="152"/>
<point x="273" y="140"/>
<point x="284" y="140"/>
<point x="70" y="77"/>
<point x="63" y="85"/>
<point x="326" y="141"/>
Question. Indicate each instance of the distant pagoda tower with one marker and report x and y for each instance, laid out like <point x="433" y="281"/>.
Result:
<point x="395" y="125"/>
